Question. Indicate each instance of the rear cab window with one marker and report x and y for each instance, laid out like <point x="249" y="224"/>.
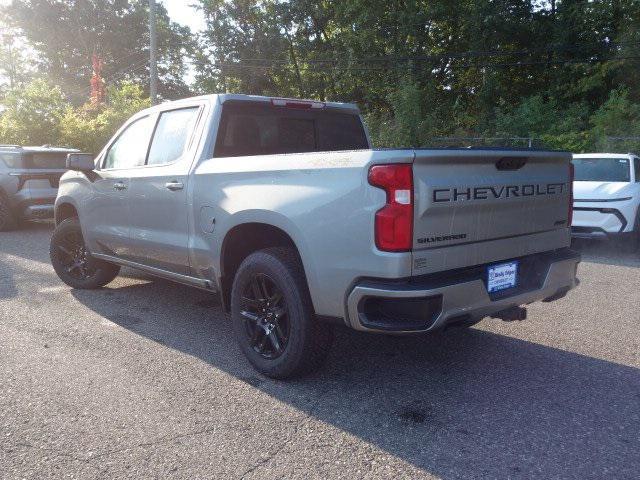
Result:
<point x="256" y="128"/>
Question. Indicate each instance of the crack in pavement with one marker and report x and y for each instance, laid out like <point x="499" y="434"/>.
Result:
<point x="277" y="450"/>
<point x="92" y="458"/>
<point x="304" y="420"/>
<point x="158" y="441"/>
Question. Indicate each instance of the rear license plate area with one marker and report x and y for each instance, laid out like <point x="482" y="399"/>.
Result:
<point x="502" y="276"/>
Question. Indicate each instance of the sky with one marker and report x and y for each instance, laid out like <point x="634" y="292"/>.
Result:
<point x="180" y="11"/>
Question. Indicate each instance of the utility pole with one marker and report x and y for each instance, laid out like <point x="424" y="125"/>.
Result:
<point x="8" y="41"/>
<point x="153" y="46"/>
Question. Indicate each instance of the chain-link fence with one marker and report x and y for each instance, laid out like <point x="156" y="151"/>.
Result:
<point x="622" y="144"/>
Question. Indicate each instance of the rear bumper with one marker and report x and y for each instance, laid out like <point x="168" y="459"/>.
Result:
<point x="430" y="303"/>
<point x="34" y="212"/>
<point x="34" y="200"/>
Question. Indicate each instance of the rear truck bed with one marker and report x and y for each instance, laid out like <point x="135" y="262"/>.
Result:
<point x="490" y="231"/>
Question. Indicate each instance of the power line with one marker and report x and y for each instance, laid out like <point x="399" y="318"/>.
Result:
<point x="448" y="55"/>
<point x="337" y="65"/>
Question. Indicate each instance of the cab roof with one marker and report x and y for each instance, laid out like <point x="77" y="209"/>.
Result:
<point x="227" y="97"/>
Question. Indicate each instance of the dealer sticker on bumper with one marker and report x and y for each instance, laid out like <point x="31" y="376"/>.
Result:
<point x="501" y="277"/>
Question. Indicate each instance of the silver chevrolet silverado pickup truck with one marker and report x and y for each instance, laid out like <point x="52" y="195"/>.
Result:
<point x="283" y="209"/>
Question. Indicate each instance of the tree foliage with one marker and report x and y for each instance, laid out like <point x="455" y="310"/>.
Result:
<point x="32" y="114"/>
<point x="38" y="114"/>
<point x="89" y="128"/>
<point x="66" y="34"/>
<point x="426" y="69"/>
<point x="561" y="71"/>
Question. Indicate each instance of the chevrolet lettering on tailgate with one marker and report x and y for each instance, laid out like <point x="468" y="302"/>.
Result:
<point x="455" y="194"/>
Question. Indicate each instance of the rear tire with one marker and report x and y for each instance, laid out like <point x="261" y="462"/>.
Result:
<point x="72" y="261"/>
<point x="7" y="219"/>
<point x="273" y="318"/>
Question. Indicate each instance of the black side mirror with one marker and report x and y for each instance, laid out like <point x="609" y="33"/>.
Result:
<point x="82" y="162"/>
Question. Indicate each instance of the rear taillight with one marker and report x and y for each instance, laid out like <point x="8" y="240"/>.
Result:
<point x="571" y="177"/>
<point x="394" y="221"/>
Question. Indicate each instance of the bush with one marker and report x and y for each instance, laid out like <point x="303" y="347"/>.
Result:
<point x="617" y="117"/>
<point x="89" y="128"/>
<point x="32" y="114"/>
<point x="38" y="114"/>
<point x="414" y="119"/>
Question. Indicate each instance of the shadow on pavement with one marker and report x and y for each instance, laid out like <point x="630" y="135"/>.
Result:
<point x="17" y="243"/>
<point x="466" y="403"/>
<point x="608" y="252"/>
<point x="26" y="241"/>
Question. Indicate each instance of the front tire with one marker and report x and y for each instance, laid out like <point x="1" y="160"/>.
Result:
<point x="72" y="261"/>
<point x="273" y="318"/>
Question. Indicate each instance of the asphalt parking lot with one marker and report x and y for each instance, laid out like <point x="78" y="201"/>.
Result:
<point x="142" y="379"/>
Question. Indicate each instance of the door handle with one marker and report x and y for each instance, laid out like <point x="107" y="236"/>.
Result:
<point x="119" y="186"/>
<point x="173" y="186"/>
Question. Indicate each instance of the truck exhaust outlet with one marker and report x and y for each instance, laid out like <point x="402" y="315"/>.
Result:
<point x="511" y="314"/>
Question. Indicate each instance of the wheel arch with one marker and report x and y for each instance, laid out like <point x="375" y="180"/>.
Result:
<point x="64" y="209"/>
<point x="242" y="240"/>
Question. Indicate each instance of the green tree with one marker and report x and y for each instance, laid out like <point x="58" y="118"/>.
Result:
<point x="619" y="116"/>
<point x="66" y="34"/>
<point x="556" y="126"/>
<point x="89" y="128"/>
<point x="472" y="66"/>
<point x="32" y="114"/>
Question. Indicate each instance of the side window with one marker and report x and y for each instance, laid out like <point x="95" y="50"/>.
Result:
<point x="636" y="166"/>
<point x="130" y="148"/>
<point x="171" y="135"/>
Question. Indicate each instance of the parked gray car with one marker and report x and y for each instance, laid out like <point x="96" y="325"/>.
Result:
<point x="283" y="209"/>
<point x="29" y="179"/>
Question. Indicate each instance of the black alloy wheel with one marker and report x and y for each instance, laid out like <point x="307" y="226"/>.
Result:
<point x="73" y="262"/>
<point x="266" y="317"/>
<point x="272" y="315"/>
<point x="73" y="256"/>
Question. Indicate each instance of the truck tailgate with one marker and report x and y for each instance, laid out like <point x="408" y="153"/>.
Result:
<point x="480" y="206"/>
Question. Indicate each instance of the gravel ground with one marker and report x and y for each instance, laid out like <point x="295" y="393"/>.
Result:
<point x="142" y="379"/>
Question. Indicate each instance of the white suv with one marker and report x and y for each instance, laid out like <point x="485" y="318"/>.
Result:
<point x="606" y="193"/>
